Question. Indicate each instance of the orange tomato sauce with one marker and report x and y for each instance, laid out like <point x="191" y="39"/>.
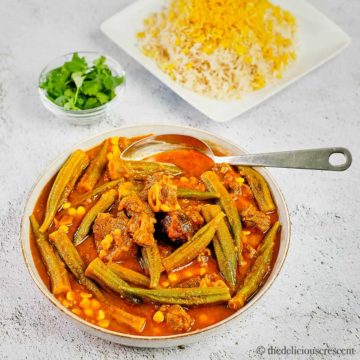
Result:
<point x="193" y="164"/>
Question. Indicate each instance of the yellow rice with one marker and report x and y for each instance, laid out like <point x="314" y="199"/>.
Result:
<point x="220" y="48"/>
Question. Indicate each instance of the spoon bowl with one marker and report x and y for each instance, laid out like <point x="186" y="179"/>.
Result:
<point x="156" y="144"/>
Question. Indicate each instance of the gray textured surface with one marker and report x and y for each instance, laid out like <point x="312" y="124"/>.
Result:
<point x="315" y="300"/>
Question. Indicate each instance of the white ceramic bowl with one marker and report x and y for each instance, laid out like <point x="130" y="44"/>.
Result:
<point x="138" y="340"/>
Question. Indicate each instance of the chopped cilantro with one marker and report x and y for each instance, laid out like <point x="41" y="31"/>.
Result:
<point x="78" y="86"/>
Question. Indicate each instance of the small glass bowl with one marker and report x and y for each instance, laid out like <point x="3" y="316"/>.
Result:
<point x="89" y="116"/>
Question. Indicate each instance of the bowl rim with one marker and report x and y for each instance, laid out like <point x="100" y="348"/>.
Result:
<point x="45" y="291"/>
<point x="119" y="72"/>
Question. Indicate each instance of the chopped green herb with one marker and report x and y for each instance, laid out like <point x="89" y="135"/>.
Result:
<point x="78" y="86"/>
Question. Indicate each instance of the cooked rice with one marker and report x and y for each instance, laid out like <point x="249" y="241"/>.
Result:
<point x="220" y="48"/>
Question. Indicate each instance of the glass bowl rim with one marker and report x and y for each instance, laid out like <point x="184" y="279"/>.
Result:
<point x="118" y="68"/>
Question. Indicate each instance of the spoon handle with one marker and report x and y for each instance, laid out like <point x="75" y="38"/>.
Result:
<point x="315" y="159"/>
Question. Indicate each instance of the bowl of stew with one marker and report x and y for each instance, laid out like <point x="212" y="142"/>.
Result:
<point x="154" y="253"/>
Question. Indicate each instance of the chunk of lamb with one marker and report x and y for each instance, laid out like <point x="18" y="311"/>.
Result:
<point x="118" y="245"/>
<point x="208" y="280"/>
<point x="162" y="195"/>
<point x="183" y="224"/>
<point x="178" y="226"/>
<point x="255" y="218"/>
<point x="212" y="280"/>
<point x="192" y="209"/>
<point x="142" y="220"/>
<point x="190" y="283"/>
<point x="177" y="318"/>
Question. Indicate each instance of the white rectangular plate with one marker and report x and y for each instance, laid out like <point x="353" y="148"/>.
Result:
<point x="319" y="41"/>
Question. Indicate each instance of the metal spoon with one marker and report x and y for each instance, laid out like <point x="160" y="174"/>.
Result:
<point x="315" y="159"/>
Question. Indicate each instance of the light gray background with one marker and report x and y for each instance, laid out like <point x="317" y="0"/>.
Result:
<point x="314" y="301"/>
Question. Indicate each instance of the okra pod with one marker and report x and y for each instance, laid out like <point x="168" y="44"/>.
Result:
<point x="129" y="275"/>
<point x="185" y="193"/>
<point x="98" y="190"/>
<point x="269" y="238"/>
<point x="94" y="170"/>
<point x="213" y="183"/>
<point x="196" y="194"/>
<point x="55" y="267"/>
<point x="105" y="276"/>
<point x="194" y="247"/>
<point x="141" y="170"/>
<point x="223" y="245"/>
<point x="70" y="186"/>
<point x="105" y="201"/>
<point x="259" y="187"/>
<point x="63" y="184"/>
<point x="258" y="270"/>
<point x="98" y="271"/>
<point x="183" y="296"/>
<point x="73" y="260"/>
<point x="135" y="322"/>
<point x="153" y="265"/>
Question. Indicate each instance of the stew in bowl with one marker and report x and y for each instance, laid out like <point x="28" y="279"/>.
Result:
<point x="162" y="247"/>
